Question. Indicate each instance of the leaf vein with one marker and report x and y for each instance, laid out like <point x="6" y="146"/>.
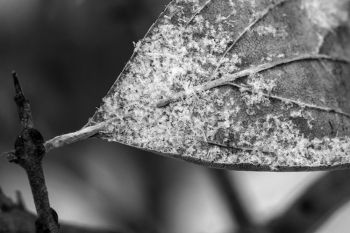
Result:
<point x="198" y="12"/>
<point x="233" y="147"/>
<point x="262" y="15"/>
<point x="244" y="73"/>
<point x="295" y="102"/>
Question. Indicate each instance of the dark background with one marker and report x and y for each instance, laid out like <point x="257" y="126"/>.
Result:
<point x="67" y="54"/>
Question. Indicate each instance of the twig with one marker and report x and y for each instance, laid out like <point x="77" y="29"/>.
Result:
<point x="315" y="205"/>
<point x="29" y="152"/>
<point x="23" y="106"/>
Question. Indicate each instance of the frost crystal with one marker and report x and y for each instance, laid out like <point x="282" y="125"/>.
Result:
<point x="291" y="114"/>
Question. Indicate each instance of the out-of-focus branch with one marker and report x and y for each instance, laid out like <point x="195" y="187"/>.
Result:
<point x="230" y="194"/>
<point x="315" y="205"/>
<point x="14" y="219"/>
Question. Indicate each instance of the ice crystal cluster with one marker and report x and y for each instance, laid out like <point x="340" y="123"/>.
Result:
<point x="291" y="115"/>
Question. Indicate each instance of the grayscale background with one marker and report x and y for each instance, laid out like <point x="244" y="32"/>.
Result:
<point x="67" y="54"/>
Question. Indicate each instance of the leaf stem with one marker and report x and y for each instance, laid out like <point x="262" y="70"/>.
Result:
<point x="82" y="134"/>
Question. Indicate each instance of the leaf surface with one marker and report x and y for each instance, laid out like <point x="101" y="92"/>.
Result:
<point x="247" y="85"/>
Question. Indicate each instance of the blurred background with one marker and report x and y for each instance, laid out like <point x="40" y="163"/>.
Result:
<point x="67" y="54"/>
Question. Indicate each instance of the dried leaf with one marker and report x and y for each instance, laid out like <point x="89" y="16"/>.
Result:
<point x="252" y="85"/>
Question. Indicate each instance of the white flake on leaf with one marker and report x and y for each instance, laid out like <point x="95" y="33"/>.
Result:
<point x="263" y="30"/>
<point x="182" y="63"/>
<point x="327" y="14"/>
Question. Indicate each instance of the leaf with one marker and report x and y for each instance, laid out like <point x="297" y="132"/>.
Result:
<point x="247" y="85"/>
